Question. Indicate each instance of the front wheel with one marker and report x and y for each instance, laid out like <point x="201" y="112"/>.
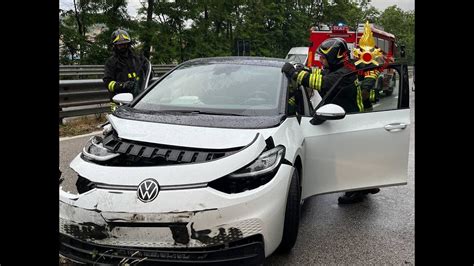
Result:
<point x="292" y="215"/>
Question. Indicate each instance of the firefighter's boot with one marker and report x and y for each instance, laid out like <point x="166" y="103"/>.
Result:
<point x="356" y="196"/>
<point x="351" y="197"/>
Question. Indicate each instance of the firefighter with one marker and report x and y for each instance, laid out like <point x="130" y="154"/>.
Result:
<point x="295" y="96"/>
<point x="333" y="54"/>
<point x="366" y="82"/>
<point x="124" y="70"/>
<point x="366" y="55"/>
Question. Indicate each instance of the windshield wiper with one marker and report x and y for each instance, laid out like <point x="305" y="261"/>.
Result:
<point x="199" y="112"/>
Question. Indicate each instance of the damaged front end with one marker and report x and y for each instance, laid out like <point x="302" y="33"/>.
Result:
<point x="160" y="238"/>
<point x="206" y="205"/>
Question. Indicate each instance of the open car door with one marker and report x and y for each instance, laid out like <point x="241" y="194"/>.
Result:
<point x="145" y="71"/>
<point x="361" y="150"/>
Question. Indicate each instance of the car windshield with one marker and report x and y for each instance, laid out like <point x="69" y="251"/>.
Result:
<point x="217" y="88"/>
<point x="298" y="58"/>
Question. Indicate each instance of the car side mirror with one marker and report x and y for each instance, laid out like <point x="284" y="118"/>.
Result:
<point x="123" y="98"/>
<point x="328" y="112"/>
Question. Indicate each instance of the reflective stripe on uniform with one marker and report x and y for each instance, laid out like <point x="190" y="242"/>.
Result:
<point x="300" y="77"/>
<point x="319" y="81"/>
<point x="292" y="101"/>
<point x="360" y="105"/>
<point x="371" y="74"/>
<point x="112" y="85"/>
<point x="312" y="80"/>
<point x="134" y="74"/>
<point x="129" y="75"/>
<point x="372" y="95"/>
<point x="113" y="106"/>
<point x="315" y="80"/>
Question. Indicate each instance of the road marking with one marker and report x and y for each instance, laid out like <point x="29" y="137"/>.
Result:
<point x="80" y="136"/>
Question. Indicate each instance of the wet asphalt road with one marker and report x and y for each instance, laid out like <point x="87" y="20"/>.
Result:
<point x="379" y="230"/>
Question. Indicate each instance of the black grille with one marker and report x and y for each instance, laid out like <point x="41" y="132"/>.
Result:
<point x="135" y="153"/>
<point x="246" y="251"/>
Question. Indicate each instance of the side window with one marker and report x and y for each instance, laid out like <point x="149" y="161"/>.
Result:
<point x="380" y="43"/>
<point x="311" y="99"/>
<point x="356" y="93"/>
<point x="295" y="100"/>
<point x="305" y="100"/>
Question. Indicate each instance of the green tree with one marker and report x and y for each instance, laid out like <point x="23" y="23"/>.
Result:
<point x="172" y="32"/>
<point x="402" y="25"/>
<point x="77" y="29"/>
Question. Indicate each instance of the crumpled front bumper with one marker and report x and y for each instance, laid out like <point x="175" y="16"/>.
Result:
<point x="246" y="251"/>
<point x="187" y="225"/>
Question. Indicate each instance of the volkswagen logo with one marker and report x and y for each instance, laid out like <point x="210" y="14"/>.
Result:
<point x="148" y="190"/>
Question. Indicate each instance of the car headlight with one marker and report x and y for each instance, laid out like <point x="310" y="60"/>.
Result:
<point x="256" y="174"/>
<point x="265" y="163"/>
<point x="95" y="150"/>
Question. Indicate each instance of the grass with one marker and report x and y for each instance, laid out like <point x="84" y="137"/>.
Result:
<point x="82" y="125"/>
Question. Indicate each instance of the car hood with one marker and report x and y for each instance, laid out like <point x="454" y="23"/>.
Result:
<point x="250" y="144"/>
<point x="185" y="136"/>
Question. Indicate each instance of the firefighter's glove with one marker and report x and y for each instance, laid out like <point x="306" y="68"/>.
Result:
<point x="289" y="71"/>
<point x="299" y="67"/>
<point x="129" y="85"/>
<point x="126" y="86"/>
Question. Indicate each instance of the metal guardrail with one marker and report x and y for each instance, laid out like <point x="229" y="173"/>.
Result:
<point x="83" y="97"/>
<point x="97" y="71"/>
<point x="80" y="97"/>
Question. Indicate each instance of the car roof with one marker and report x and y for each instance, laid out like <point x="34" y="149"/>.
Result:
<point x="247" y="60"/>
<point x="299" y="50"/>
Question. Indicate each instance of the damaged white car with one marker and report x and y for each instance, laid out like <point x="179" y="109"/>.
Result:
<point x="207" y="165"/>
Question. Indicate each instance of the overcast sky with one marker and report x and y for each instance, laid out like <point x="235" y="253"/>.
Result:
<point x="133" y="5"/>
<point x="402" y="4"/>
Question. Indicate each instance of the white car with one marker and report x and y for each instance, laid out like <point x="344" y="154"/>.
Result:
<point x="208" y="166"/>
<point x="298" y="55"/>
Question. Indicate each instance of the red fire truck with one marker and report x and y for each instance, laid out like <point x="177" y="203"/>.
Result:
<point x="383" y="40"/>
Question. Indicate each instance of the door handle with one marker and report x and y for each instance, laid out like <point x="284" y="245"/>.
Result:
<point x="393" y="127"/>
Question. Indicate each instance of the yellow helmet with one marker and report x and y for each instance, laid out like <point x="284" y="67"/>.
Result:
<point x="120" y="36"/>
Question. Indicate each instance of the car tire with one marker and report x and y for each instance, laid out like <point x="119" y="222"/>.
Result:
<point x="292" y="215"/>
